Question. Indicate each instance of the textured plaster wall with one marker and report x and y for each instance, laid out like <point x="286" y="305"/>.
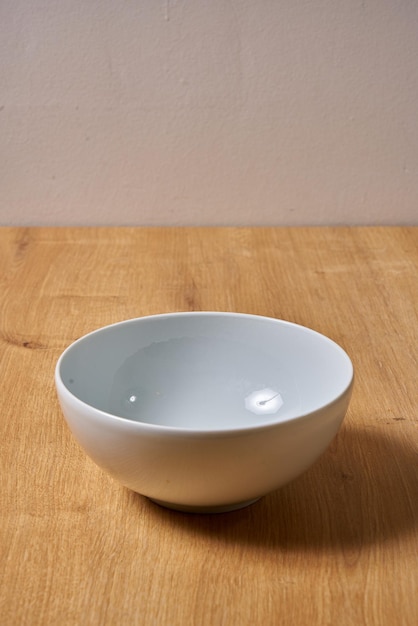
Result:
<point x="208" y="112"/>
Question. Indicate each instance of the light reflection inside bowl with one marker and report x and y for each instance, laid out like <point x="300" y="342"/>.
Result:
<point x="264" y="402"/>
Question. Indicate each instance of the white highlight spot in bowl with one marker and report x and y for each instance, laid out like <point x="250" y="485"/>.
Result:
<point x="131" y="400"/>
<point x="265" y="401"/>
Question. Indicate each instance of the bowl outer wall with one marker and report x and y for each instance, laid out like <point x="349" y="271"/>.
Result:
<point x="195" y="468"/>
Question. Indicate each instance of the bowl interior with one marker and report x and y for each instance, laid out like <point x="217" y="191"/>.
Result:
<point x="205" y="371"/>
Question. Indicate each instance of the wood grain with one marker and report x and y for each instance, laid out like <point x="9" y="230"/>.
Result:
<point x="337" y="546"/>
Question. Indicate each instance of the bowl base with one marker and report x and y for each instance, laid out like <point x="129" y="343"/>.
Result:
<point x="186" y="508"/>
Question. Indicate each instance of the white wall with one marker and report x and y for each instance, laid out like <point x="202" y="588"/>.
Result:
<point x="208" y="111"/>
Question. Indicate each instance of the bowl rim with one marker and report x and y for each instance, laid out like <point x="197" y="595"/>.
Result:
<point x="63" y="390"/>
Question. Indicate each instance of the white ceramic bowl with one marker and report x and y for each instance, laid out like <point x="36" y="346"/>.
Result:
<point x="204" y="411"/>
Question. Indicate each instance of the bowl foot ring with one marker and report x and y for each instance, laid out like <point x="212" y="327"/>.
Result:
<point x="186" y="508"/>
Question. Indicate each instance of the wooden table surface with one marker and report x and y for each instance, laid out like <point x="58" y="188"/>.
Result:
<point x="336" y="547"/>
